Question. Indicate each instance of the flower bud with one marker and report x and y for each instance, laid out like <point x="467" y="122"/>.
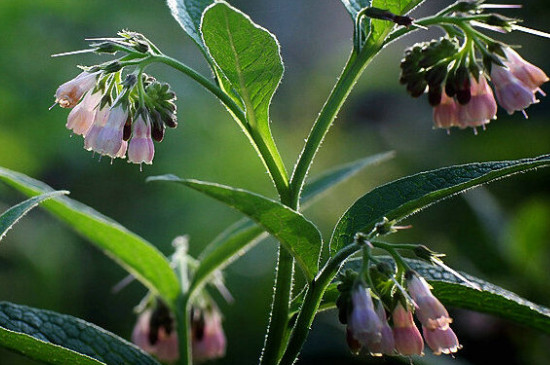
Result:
<point x="462" y="80"/>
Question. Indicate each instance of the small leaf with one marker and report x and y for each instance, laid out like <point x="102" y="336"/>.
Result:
<point x="188" y="13"/>
<point x="406" y="196"/>
<point x="245" y="233"/>
<point x="379" y="29"/>
<point x="56" y="338"/>
<point x="298" y="235"/>
<point x="249" y="62"/>
<point x="136" y="255"/>
<point x="454" y="292"/>
<point x="13" y="214"/>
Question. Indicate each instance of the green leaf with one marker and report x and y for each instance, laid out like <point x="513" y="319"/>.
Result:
<point x="376" y="28"/>
<point x="188" y="13"/>
<point x="56" y="338"/>
<point x="298" y="235"/>
<point x="13" y="214"/>
<point x="379" y="29"/>
<point x="248" y="58"/>
<point x="454" y="292"/>
<point x="244" y="234"/>
<point x="136" y="255"/>
<point x="406" y="196"/>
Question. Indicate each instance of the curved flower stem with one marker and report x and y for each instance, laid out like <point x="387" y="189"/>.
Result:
<point x="268" y="156"/>
<point x="312" y="300"/>
<point x="181" y="312"/>
<point x="353" y="70"/>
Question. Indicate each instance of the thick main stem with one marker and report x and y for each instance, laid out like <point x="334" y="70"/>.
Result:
<point x="355" y="66"/>
<point x="181" y="312"/>
<point x="278" y="321"/>
<point x="312" y="300"/>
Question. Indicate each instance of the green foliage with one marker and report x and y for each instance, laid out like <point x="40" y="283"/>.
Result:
<point x="13" y="214"/>
<point x="379" y="29"/>
<point x="188" y="13"/>
<point x="56" y="338"/>
<point x="245" y="233"/>
<point x="298" y="235"/>
<point x="132" y="252"/>
<point x="247" y="57"/>
<point x="406" y="196"/>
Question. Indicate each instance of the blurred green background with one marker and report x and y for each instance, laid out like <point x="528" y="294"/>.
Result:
<point x="500" y="233"/>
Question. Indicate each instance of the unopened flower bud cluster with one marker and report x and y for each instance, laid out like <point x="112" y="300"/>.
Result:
<point x="388" y="327"/>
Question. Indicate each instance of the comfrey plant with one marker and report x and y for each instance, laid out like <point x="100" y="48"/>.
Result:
<point x="377" y="287"/>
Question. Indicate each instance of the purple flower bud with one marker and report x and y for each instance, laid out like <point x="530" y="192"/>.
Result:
<point x="429" y="310"/>
<point x="512" y="94"/>
<point x="141" y="148"/>
<point x="165" y="347"/>
<point x="441" y="340"/>
<point x="408" y="340"/>
<point x="81" y="118"/>
<point x="69" y="93"/>
<point x="363" y="322"/>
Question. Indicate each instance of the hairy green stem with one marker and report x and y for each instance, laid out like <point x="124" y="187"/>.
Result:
<point x="354" y="67"/>
<point x="181" y="312"/>
<point x="278" y="321"/>
<point x="312" y="300"/>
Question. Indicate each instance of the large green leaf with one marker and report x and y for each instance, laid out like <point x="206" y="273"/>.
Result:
<point x="406" y="196"/>
<point x="454" y="292"/>
<point x="56" y="338"/>
<point x="296" y="233"/>
<point x="132" y="252"/>
<point x="13" y="214"/>
<point x="245" y="233"/>
<point x="248" y="59"/>
<point x="188" y="13"/>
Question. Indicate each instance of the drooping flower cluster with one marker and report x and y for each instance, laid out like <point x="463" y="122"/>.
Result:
<point x="154" y="332"/>
<point x="455" y="70"/>
<point x="368" y="325"/>
<point x="118" y="117"/>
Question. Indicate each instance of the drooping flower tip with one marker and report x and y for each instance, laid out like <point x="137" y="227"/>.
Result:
<point x="429" y="310"/>
<point x="363" y="322"/>
<point x="109" y="138"/>
<point x="156" y="341"/>
<point x="141" y="148"/>
<point x="441" y="341"/>
<point x="407" y="337"/>
<point x="208" y="338"/>
<point x="69" y="93"/>
<point x="82" y="116"/>
<point x="478" y="111"/>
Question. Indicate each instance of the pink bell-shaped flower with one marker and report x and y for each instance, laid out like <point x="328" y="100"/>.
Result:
<point x="408" y="340"/>
<point x="165" y="346"/>
<point x="81" y="118"/>
<point x="141" y="148"/>
<point x="208" y="339"/>
<point x="429" y="310"/>
<point x="109" y="138"/>
<point x="100" y="120"/>
<point x="529" y="74"/>
<point x="512" y="94"/>
<point x="69" y="93"/>
<point x="482" y="106"/>
<point x="445" y="114"/>
<point x="441" y="341"/>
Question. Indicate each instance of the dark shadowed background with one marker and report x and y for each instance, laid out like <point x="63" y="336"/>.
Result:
<point x="500" y="233"/>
